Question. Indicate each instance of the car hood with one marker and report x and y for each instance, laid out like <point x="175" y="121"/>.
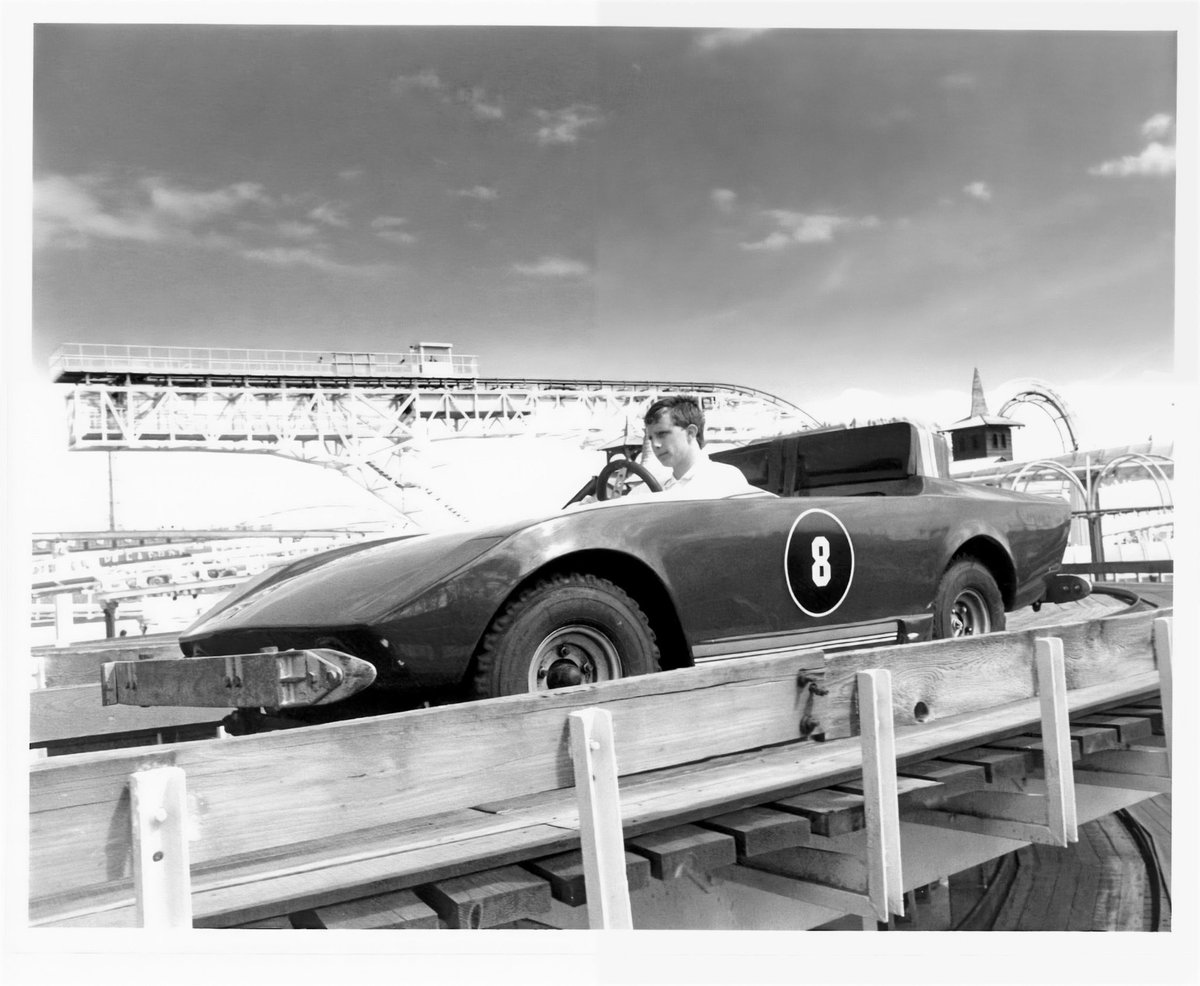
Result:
<point x="351" y="585"/>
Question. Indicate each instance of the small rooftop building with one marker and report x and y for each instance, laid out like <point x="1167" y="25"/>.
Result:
<point x="981" y="435"/>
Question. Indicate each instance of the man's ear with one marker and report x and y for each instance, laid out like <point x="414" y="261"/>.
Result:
<point x="694" y="432"/>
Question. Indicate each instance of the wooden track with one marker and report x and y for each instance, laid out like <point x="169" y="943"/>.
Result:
<point x="1098" y="884"/>
<point x="441" y="806"/>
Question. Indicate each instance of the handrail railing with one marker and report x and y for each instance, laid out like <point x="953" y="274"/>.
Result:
<point x="104" y="358"/>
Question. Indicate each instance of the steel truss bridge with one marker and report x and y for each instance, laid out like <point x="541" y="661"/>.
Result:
<point x="366" y="414"/>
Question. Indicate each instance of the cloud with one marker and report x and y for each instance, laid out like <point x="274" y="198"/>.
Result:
<point x="330" y="214"/>
<point x="480" y="192"/>
<point x="390" y="228"/>
<point x="1155" y="159"/>
<point x="553" y="267"/>
<point x="351" y="174"/>
<point x="980" y="190"/>
<point x="724" y="199"/>
<point x="305" y="257"/>
<point x="481" y="104"/>
<point x="711" y="41"/>
<point x="68" y="212"/>
<point x="477" y="100"/>
<point x="239" y="219"/>
<point x="1157" y="126"/>
<point x="191" y="207"/>
<point x="426" y="81"/>
<point x="797" y="228"/>
<point x="564" y="126"/>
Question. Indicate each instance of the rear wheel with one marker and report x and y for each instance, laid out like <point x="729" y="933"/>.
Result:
<point x="967" y="601"/>
<point x="566" y="630"/>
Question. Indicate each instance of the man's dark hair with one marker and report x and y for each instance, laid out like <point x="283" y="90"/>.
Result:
<point x="684" y="410"/>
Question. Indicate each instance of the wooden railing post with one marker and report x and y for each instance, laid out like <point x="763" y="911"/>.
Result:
<point x="600" y="832"/>
<point x="1058" y="766"/>
<point x="161" y="863"/>
<point x="1162" y="657"/>
<point x="880" y="800"/>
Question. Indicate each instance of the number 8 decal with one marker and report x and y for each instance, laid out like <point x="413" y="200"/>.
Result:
<point x="820" y="569"/>
<point x="818" y="562"/>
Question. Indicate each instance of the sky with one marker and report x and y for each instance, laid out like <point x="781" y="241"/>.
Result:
<point x="853" y="220"/>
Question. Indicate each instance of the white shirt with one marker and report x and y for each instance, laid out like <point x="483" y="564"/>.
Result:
<point x="705" y="480"/>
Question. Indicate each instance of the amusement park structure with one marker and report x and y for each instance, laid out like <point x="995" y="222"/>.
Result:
<point x="366" y="414"/>
<point x="370" y="416"/>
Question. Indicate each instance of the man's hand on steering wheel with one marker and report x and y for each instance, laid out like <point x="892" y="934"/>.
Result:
<point x="628" y="465"/>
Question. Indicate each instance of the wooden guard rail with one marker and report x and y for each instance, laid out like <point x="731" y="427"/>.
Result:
<point x="227" y="832"/>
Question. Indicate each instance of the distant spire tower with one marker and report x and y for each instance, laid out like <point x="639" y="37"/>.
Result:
<point x="981" y="435"/>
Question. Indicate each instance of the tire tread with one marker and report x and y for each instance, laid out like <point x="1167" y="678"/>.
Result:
<point x="494" y="636"/>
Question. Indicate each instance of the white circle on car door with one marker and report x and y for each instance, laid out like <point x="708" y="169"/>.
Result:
<point x="818" y="562"/>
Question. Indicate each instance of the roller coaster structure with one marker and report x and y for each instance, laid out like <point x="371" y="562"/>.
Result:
<point x="366" y="413"/>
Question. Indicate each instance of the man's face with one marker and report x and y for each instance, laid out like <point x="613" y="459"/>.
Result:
<point x="673" y="446"/>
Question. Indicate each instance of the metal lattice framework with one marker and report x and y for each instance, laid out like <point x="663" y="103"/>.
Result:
<point x="364" y="424"/>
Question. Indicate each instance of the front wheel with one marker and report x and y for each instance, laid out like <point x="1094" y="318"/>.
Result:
<point x="967" y="601"/>
<point x="566" y="630"/>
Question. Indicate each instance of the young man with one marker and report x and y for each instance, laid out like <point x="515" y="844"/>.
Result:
<point x="675" y="433"/>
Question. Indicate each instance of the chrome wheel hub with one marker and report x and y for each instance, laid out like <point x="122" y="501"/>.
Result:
<point x="573" y="655"/>
<point x="969" y="615"/>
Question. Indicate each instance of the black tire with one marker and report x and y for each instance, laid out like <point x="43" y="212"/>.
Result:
<point x="565" y="630"/>
<point x="967" y="601"/>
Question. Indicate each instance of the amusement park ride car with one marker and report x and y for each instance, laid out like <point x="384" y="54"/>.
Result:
<point x="856" y="537"/>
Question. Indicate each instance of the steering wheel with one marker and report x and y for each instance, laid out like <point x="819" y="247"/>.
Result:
<point x="629" y="465"/>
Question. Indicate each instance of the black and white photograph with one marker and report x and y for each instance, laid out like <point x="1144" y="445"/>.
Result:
<point x="705" y="473"/>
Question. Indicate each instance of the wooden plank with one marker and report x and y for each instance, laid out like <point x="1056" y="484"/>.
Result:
<point x="955" y="778"/>
<point x="258" y="797"/>
<point x="1119" y="898"/>
<point x="1147" y="711"/>
<point x="278" y="923"/>
<point x="692" y="792"/>
<point x="1056" y="742"/>
<point x="161" y="861"/>
<point x="1033" y="745"/>
<point x="600" y="833"/>
<point x="1022" y="817"/>
<point x="910" y="790"/>
<point x="402" y="909"/>
<point x="1094" y="738"/>
<point x="442" y="759"/>
<point x="57" y="714"/>
<point x="843" y="871"/>
<point x="1151" y="761"/>
<point x="1162" y="658"/>
<point x="484" y="900"/>
<point x="931" y="680"/>
<point x="794" y="888"/>
<point x="684" y="850"/>
<point x="340" y="867"/>
<point x="1130" y="729"/>
<point x="564" y="873"/>
<point x="759" y="830"/>
<point x="880" y="796"/>
<point x="997" y="764"/>
<point x="1009" y="915"/>
<point x="1053" y="871"/>
<point x="1004" y="805"/>
<point x="830" y="813"/>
